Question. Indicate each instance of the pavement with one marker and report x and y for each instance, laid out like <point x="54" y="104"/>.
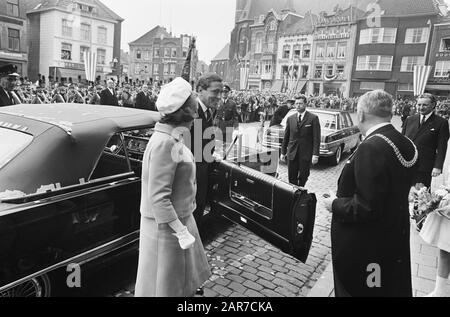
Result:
<point x="244" y="265"/>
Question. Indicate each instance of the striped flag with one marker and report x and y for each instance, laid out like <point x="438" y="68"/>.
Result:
<point x="90" y="65"/>
<point x="421" y="75"/>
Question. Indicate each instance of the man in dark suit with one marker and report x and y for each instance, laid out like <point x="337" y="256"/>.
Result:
<point x="430" y="133"/>
<point x="8" y="80"/>
<point x="108" y="96"/>
<point x="144" y="100"/>
<point x="282" y="112"/>
<point x="227" y="116"/>
<point x="370" y="230"/>
<point x="301" y="144"/>
<point x="209" y="89"/>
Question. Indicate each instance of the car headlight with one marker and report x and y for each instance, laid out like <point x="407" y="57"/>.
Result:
<point x="323" y="146"/>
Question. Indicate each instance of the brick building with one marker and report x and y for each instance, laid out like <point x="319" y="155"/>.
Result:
<point x="13" y="35"/>
<point x="160" y="56"/>
<point x="219" y="64"/>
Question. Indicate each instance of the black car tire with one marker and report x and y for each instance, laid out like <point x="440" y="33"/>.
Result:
<point x="336" y="158"/>
<point x="37" y="287"/>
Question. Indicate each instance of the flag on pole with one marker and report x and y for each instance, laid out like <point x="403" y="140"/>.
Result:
<point x="90" y="65"/>
<point x="244" y="76"/>
<point x="421" y="75"/>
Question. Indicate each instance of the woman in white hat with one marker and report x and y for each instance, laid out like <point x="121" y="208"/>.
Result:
<point x="172" y="261"/>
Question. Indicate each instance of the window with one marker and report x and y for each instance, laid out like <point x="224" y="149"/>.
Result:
<point x="185" y="52"/>
<point x="406" y="87"/>
<point x="408" y="63"/>
<point x="138" y="54"/>
<point x="166" y="69"/>
<point x="306" y="51"/>
<point x="340" y="71"/>
<point x="297" y="51"/>
<point x="66" y="52"/>
<point x="83" y="49"/>
<point x="146" y="55"/>
<point x="259" y="43"/>
<point x="270" y="43"/>
<point x="67" y="29"/>
<point x="378" y="35"/>
<point x="273" y="25"/>
<point x="331" y="50"/>
<point x="101" y="57"/>
<point x="14" y="40"/>
<point x="85" y="32"/>
<point x="268" y="68"/>
<point x="305" y="71"/>
<point x="174" y="52"/>
<point x="318" y="72"/>
<point x="442" y="69"/>
<point x="286" y="51"/>
<point x="342" y="50"/>
<point x="156" y="52"/>
<point x="320" y="51"/>
<point x="445" y="45"/>
<point x="13" y="142"/>
<point x="12" y="8"/>
<point x="102" y="35"/>
<point x="137" y="69"/>
<point x="155" y="69"/>
<point x="374" y="63"/>
<point x="172" y="69"/>
<point x="418" y="35"/>
<point x="330" y="70"/>
<point x="167" y="52"/>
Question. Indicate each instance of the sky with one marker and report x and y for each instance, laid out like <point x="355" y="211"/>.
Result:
<point x="210" y="21"/>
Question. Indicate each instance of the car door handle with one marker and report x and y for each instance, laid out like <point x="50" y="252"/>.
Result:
<point x="250" y="181"/>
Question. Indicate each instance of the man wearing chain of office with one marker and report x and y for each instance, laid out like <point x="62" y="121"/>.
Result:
<point x="370" y="229"/>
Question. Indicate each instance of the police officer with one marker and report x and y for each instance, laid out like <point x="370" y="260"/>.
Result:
<point x="8" y="81"/>
<point x="227" y="116"/>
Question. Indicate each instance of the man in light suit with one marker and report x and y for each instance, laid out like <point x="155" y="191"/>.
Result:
<point x="430" y="133"/>
<point x="108" y="96"/>
<point x="301" y="144"/>
<point x="370" y="229"/>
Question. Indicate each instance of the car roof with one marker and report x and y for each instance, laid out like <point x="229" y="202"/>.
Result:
<point x="68" y="140"/>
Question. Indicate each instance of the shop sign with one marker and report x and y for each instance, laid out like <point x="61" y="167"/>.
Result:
<point x="333" y="20"/>
<point x="332" y="36"/>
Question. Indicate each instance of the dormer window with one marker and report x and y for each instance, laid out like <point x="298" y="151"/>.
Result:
<point x="85" y="8"/>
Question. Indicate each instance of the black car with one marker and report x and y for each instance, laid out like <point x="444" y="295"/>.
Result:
<point x="70" y="192"/>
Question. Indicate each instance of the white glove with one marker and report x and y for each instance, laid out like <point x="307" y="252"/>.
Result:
<point x="185" y="239"/>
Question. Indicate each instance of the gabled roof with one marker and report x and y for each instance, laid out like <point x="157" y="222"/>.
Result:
<point x="223" y="55"/>
<point x="302" y="26"/>
<point x="45" y="5"/>
<point x="154" y="33"/>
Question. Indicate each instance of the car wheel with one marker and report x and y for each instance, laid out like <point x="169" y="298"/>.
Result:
<point x="37" y="287"/>
<point x="336" y="158"/>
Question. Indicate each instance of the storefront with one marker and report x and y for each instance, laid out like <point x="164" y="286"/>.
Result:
<point x="72" y="73"/>
<point x="17" y="59"/>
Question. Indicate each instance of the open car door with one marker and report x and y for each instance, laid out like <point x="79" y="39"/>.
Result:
<point x="280" y="213"/>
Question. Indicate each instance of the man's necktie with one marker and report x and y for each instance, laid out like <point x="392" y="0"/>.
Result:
<point x="422" y="121"/>
<point x="208" y="115"/>
<point x="11" y="98"/>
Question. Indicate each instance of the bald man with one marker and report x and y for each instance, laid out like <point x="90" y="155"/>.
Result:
<point x="108" y="96"/>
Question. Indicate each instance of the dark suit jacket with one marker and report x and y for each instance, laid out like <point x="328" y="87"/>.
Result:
<point x="371" y="222"/>
<point x="279" y="115"/>
<point x="4" y="98"/>
<point x="145" y="102"/>
<point x="431" y="140"/>
<point x="108" y="99"/>
<point x="227" y="113"/>
<point x="302" y="139"/>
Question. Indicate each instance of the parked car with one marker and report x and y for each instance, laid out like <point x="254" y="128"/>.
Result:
<point x="70" y="193"/>
<point x="339" y="134"/>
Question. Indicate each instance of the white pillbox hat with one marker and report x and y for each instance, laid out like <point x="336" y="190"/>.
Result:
<point x="173" y="95"/>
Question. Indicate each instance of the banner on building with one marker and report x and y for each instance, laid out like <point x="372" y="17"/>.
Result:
<point x="245" y="70"/>
<point x="421" y="75"/>
<point x="90" y="65"/>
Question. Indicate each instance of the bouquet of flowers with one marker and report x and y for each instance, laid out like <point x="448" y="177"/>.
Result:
<point x="423" y="203"/>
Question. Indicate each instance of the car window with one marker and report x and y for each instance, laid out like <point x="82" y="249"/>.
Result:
<point x="344" y="121"/>
<point x="13" y="142"/>
<point x="349" y="118"/>
<point x="328" y="121"/>
<point x="113" y="160"/>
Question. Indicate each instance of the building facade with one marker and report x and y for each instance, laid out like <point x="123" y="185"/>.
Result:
<point x="385" y="54"/>
<point x="160" y="56"/>
<point x="333" y="49"/>
<point x="220" y="63"/>
<point x="13" y="35"/>
<point x="60" y="33"/>
<point x="439" y="59"/>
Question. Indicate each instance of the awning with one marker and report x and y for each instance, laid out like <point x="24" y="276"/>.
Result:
<point x="277" y="85"/>
<point x="439" y="87"/>
<point x="69" y="73"/>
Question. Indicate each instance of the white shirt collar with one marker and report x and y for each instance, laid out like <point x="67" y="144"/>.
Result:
<point x="202" y="105"/>
<point x="426" y="117"/>
<point x="302" y="115"/>
<point x="377" y="127"/>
